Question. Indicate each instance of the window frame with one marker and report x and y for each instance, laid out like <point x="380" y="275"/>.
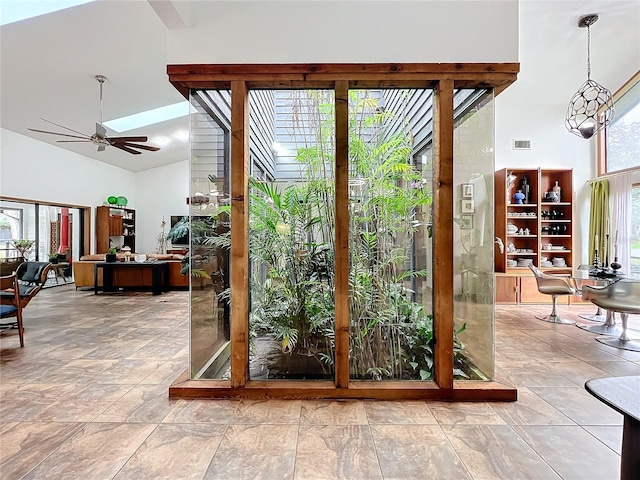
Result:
<point x="602" y="134"/>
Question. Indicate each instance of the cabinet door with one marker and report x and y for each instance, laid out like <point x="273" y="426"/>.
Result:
<point x="506" y="289"/>
<point x="529" y="293"/>
<point x="115" y="226"/>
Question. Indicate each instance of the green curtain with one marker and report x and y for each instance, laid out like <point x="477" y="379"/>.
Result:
<point x="599" y="217"/>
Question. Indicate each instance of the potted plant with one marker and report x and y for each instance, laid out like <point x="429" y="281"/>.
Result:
<point x="53" y="258"/>
<point x="111" y="255"/>
<point x="23" y="246"/>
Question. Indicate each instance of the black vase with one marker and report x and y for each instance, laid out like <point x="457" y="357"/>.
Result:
<point x="110" y="257"/>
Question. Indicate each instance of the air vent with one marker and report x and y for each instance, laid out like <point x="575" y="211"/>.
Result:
<point x="521" y="144"/>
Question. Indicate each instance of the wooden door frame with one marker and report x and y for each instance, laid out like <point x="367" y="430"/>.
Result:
<point x="443" y="78"/>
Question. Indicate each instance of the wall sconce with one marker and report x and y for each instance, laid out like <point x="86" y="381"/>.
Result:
<point x="591" y="107"/>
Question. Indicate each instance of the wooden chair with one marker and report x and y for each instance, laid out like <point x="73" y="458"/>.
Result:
<point x="10" y="304"/>
<point x="31" y="277"/>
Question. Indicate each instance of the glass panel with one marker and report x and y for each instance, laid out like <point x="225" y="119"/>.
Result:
<point x="473" y="149"/>
<point x="207" y="227"/>
<point x="390" y="194"/>
<point x="17" y="222"/>
<point x="634" y="271"/>
<point x="291" y="234"/>
<point x="623" y="135"/>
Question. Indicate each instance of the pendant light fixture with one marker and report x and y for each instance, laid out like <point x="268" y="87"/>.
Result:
<point x="591" y="107"/>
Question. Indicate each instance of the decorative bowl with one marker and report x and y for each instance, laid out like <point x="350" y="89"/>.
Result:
<point x="112" y="200"/>
<point x="122" y="201"/>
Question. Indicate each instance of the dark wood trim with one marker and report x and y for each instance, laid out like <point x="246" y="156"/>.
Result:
<point x="342" y="234"/>
<point x="293" y="389"/>
<point x="443" y="234"/>
<point x="359" y="75"/>
<point x="239" y="234"/>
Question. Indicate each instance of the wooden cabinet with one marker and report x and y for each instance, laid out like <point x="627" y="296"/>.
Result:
<point x="506" y="288"/>
<point x="115" y="224"/>
<point x="535" y="225"/>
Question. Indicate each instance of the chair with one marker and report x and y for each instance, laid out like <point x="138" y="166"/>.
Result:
<point x="623" y="297"/>
<point x="554" y="285"/>
<point x="31" y="278"/>
<point x="10" y="305"/>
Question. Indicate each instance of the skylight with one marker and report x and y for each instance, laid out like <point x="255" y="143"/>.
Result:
<point x="149" y="117"/>
<point x="15" y="10"/>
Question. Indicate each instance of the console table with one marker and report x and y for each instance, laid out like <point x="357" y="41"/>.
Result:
<point x="159" y="275"/>
<point x="623" y="395"/>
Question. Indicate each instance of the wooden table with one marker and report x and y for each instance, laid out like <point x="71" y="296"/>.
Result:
<point x="58" y="270"/>
<point x="159" y="275"/>
<point x="623" y="395"/>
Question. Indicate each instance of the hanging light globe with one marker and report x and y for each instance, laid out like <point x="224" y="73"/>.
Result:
<point x="591" y="107"/>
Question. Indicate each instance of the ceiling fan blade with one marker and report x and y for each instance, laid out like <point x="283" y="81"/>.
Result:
<point x="126" y="149"/>
<point x="56" y="133"/>
<point x="101" y="131"/>
<point x="143" y="147"/>
<point x="66" y="128"/>
<point x="73" y="141"/>
<point x="128" y="139"/>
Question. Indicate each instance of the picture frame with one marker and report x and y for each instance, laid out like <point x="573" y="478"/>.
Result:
<point x="467" y="190"/>
<point x="466" y="222"/>
<point x="468" y="206"/>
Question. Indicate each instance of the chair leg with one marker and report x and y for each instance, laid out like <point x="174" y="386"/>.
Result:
<point x="20" y="327"/>
<point x="554" y="317"/>
<point x="623" y="342"/>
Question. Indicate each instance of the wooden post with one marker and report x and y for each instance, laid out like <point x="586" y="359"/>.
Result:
<point x="342" y="234"/>
<point x="239" y="234"/>
<point x="443" y="233"/>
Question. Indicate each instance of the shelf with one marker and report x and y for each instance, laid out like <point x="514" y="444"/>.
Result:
<point x="522" y="236"/>
<point x="554" y="251"/>
<point x="559" y="204"/>
<point x="556" y="236"/>
<point x="522" y="253"/>
<point x="559" y="221"/>
<point x="510" y="217"/>
<point x="521" y="205"/>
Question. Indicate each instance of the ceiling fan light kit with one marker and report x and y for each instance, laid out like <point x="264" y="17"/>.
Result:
<point x="100" y="137"/>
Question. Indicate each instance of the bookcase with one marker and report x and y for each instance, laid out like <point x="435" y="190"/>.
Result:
<point x="539" y="230"/>
<point x="117" y="224"/>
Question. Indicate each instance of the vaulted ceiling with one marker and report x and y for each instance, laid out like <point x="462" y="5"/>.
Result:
<point x="48" y="65"/>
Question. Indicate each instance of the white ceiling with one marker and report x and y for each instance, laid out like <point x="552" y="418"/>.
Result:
<point x="48" y="68"/>
<point x="48" y="65"/>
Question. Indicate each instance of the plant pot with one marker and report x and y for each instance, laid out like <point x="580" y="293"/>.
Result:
<point x="54" y="261"/>
<point x="110" y="257"/>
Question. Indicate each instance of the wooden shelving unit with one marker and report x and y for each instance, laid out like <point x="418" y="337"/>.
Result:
<point x="550" y="227"/>
<point x="112" y="222"/>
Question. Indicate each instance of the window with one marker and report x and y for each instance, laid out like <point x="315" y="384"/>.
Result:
<point x="634" y="271"/>
<point x="621" y="147"/>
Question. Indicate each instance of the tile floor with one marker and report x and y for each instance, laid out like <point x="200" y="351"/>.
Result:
<point x="87" y="399"/>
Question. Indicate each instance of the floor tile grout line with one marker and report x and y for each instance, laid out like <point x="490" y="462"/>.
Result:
<point x="535" y="451"/>
<point x="464" y="464"/>
<point x="138" y="448"/>
<point x="222" y="437"/>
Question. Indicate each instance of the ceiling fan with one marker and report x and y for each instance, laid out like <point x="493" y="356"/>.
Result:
<point x="100" y="138"/>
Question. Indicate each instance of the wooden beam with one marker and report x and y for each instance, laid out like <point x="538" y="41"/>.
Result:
<point x="319" y="389"/>
<point x="374" y="75"/>
<point x="239" y="234"/>
<point x="342" y="234"/>
<point x="443" y="234"/>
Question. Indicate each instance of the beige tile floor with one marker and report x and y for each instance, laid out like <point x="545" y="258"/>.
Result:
<point x="87" y="399"/>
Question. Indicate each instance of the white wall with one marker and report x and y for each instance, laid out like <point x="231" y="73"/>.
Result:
<point x="160" y="192"/>
<point x="35" y="170"/>
<point x="553" y="59"/>
<point x="347" y="31"/>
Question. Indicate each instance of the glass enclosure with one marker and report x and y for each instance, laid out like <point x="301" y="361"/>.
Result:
<point x="291" y="210"/>
<point x="291" y="234"/>
<point x="473" y="172"/>
<point x="208" y="229"/>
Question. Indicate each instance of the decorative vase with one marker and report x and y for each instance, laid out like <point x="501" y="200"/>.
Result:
<point x="518" y="197"/>
<point x="558" y="191"/>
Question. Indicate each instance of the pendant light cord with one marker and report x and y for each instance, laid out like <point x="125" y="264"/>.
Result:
<point x="588" y="52"/>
